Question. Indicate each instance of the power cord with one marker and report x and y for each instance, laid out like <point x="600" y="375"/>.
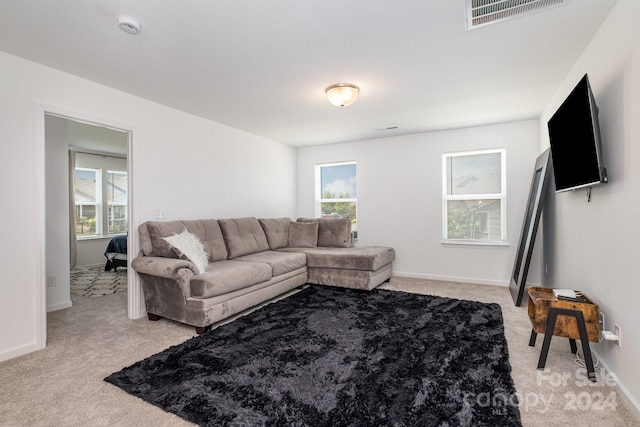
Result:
<point x="579" y="360"/>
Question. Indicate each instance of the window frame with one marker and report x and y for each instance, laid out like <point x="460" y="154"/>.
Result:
<point x="318" y="192"/>
<point x="502" y="196"/>
<point x="98" y="205"/>
<point x="104" y="164"/>
<point x="109" y="205"/>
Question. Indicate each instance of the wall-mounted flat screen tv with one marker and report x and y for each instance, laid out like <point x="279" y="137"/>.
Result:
<point x="574" y="136"/>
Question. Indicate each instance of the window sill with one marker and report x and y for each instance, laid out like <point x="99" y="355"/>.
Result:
<point x="86" y="238"/>
<point x="475" y="242"/>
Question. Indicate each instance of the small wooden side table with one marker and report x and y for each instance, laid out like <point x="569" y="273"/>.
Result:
<point x="570" y="319"/>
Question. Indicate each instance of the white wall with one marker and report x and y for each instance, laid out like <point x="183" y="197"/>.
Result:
<point x="57" y="217"/>
<point x="594" y="246"/>
<point x="191" y="167"/>
<point x="91" y="251"/>
<point x="400" y="198"/>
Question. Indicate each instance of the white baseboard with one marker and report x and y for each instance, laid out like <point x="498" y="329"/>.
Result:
<point x="629" y="400"/>
<point x="19" y="351"/>
<point x="453" y="279"/>
<point x="59" y="306"/>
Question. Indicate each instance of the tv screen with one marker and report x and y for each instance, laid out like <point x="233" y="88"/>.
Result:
<point x="574" y="136"/>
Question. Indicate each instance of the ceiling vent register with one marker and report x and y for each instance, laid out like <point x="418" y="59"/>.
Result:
<point x="485" y="12"/>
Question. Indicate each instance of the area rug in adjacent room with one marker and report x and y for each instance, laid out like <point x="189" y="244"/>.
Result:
<point x="93" y="282"/>
<point x="336" y="357"/>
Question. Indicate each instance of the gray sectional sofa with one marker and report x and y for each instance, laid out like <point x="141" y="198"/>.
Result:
<point x="199" y="272"/>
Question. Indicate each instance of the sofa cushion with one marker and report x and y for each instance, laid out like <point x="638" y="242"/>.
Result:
<point x="207" y="230"/>
<point x="188" y="246"/>
<point x="354" y="279"/>
<point x="280" y="262"/>
<point x="332" y="232"/>
<point x="243" y="236"/>
<point x="369" y="258"/>
<point x="227" y="276"/>
<point x="303" y="235"/>
<point x="276" y="230"/>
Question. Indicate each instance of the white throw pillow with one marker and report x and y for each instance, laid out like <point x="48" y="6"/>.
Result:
<point x="189" y="246"/>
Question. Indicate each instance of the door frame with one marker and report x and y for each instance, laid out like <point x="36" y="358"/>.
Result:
<point x="135" y="301"/>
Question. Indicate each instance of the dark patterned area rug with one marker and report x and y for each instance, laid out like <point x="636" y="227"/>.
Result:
<point x="336" y="357"/>
<point x="94" y="282"/>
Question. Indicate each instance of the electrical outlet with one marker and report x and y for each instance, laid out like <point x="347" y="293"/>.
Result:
<point x="618" y="332"/>
<point x="51" y="281"/>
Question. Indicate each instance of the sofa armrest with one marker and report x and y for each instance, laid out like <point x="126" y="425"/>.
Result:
<point x="161" y="267"/>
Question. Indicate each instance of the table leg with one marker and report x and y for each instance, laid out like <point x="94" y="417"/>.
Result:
<point x="574" y="347"/>
<point x="584" y="338"/>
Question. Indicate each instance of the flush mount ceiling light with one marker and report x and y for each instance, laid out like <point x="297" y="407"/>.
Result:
<point x="342" y="94"/>
<point x="128" y="25"/>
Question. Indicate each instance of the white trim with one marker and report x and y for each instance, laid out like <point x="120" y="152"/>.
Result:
<point x="98" y="204"/>
<point x="40" y="228"/>
<point x="20" y="351"/>
<point x="59" y="306"/>
<point x="135" y="301"/>
<point x="97" y="152"/>
<point x="474" y="242"/>
<point x="502" y="196"/>
<point x="346" y="162"/>
<point x="318" y="186"/>
<point x="629" y="400"/>
<point x="462" y="280"/>
<point x="317" y="191"/>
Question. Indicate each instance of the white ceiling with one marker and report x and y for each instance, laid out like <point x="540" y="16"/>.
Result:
<point x="262" y="65"/>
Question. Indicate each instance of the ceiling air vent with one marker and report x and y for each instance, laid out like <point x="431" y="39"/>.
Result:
<point x="485" y="12"/>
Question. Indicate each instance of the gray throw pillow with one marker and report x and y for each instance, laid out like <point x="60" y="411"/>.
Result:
<point x="277" y="231"/>
<point x="303" y="234"/>
<point x="332" y="232"/>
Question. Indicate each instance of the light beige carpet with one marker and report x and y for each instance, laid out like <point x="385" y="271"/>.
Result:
<point x="62" y="385"/>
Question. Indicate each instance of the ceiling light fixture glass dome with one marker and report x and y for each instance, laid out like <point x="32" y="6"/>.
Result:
<point x="342" y="94"/>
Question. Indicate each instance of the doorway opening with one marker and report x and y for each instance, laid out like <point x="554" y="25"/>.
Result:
<point x="87" y="205"/>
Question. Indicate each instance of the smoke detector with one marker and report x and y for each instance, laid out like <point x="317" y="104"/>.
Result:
<point x="484" y="12"/>
<point x="128" y="25"/>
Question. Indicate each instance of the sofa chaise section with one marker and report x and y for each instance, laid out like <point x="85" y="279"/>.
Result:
<point x="332" y="258"/>
<point x="361" y="268"/>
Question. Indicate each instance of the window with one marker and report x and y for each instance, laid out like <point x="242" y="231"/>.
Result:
<point x="101" y="184"/>
<point x="337" y="192"/>
<point x="117" y="202"/>
<point x="474" y="198"/>
<point x="88" y="199"/>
